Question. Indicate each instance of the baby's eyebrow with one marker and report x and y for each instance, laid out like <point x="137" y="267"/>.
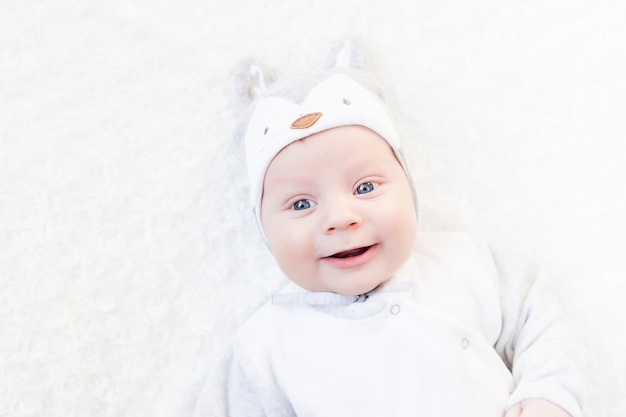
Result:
<point x="285" y="188"/>
<point x="301" y="178"/>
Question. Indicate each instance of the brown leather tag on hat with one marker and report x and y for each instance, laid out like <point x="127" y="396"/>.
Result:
<point x="305" y="121"/>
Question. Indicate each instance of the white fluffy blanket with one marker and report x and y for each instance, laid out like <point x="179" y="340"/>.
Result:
<point x="127" y="251"/>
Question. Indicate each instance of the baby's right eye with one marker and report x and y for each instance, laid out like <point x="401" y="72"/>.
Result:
<point x="303" y="204"/>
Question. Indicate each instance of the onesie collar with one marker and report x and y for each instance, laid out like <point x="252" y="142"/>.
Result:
<point x="311" y="298"/>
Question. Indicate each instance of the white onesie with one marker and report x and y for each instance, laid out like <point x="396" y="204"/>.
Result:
<point x="440" y="338"/>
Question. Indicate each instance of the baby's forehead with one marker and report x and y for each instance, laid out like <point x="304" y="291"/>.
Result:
<point x="352" y="146"/>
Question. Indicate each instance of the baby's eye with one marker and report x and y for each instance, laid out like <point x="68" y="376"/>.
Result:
<point x="303" y="204"/>
<point x="364" y="188"/>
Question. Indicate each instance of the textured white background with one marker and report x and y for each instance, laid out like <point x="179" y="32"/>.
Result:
<point x="127" y="253"/>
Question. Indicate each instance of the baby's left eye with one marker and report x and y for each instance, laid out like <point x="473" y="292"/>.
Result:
<point x="364" y="188"/>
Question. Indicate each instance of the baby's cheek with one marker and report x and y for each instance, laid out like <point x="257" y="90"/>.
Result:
<point x="405" y="226"/>
<point x="402" y="214"/>
<point x="292" y="247"/>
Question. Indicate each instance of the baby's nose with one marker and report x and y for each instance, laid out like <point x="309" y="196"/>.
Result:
<point x="341" y="215"/>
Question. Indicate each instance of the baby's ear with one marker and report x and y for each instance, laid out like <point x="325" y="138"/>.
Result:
<point x="347" y="54"/>
<point x="250" y="80"/>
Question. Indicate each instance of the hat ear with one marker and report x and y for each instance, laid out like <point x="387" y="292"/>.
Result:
<point x="347" y="54"/>
<point x="250" y="80"/>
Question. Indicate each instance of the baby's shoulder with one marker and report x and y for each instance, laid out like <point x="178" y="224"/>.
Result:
<point x="452" y="246"/>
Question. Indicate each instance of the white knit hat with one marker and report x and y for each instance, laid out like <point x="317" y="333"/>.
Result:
<point x="336" y="101"/>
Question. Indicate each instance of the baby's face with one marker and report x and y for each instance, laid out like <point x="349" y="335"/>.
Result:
<point x="338" y="211"/>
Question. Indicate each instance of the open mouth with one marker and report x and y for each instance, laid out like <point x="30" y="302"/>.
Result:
<point x="352" y="258"/>
<point x="351" y="253"/>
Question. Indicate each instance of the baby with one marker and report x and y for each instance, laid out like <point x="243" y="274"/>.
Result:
<point x="378" y="319"/>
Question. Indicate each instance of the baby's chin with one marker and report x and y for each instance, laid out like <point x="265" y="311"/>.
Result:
<point x="340" y="285"/>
